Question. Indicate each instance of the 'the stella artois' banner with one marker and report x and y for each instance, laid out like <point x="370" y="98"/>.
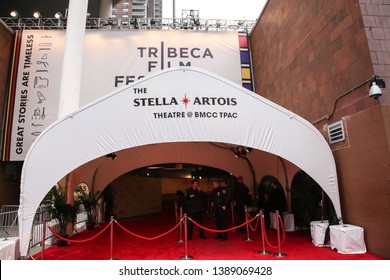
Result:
<point x="112" y="59"/>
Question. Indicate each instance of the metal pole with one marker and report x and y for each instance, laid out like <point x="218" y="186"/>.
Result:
<point x="247" y="225"/>
<point x="279" y="253"/>
<point x="43" y="239"/>
<point x="177" y="218"/>
<point x="180" y="227"/>
<point x="232" y="210"/>
<point x="174" y="9"/>
<point x="263" y="252"/>
<point x="322" y="206"/>
<point x="112" y="239"/>
<point x="186" y="256"/>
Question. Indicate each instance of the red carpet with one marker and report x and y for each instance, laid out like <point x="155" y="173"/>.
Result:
<point x="297" y="246"/>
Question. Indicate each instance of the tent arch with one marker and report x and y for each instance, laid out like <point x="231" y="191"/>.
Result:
<point x="182" y="104"/>
<point x="201" y="153"/>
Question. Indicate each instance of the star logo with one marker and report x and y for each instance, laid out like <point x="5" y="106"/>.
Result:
<point x="185" y="100"/>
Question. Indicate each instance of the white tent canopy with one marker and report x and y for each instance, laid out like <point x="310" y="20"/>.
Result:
<point x="183" y="104"/>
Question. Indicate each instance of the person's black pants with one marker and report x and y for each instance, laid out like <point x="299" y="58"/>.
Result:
<point x="221" y="222"/>
<point x="198" y="218"/>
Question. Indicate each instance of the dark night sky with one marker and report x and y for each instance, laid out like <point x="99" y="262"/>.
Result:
<point x="47" y="8"/>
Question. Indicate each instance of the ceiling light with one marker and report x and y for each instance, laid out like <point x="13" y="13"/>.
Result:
<point x="58" y="15"/>
<point x="14" y="14"/>
<point x="37" y="15"/>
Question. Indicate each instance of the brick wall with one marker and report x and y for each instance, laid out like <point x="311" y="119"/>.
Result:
<point x="306" y="56"/>
<point x="376" y="20"/>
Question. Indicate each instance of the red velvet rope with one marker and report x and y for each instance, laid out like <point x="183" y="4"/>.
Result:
<point x="177" y="225"/>
<point x="223" y="230"/>
<point x="284" y="233"/>
<point x="265" y="233"/>
<point x="149" y="238"/>
<point x="79" y="241"/>
<point x="257" y="223"/>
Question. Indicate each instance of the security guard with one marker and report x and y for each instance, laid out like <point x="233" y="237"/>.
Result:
<point x="194" y="206"/>
<point x="220" y="202"/>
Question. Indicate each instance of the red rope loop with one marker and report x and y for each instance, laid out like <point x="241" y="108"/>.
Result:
<point x="257" y="223"/>
<point x="283" y="232"/>
<point x="150" y="238"/>
<point x="222" y="230"/>
<point x="78" y="241"/>
<point x="265" y="234"/>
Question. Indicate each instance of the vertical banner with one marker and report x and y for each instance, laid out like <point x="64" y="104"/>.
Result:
<point x="112" y="59"/>
<point x="34" y="90"/>
<point x="246" y="67"/>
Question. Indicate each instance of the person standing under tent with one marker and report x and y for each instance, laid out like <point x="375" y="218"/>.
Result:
<point x="179" y="199"/>
<point x="277" y="200"/>
<point x="220" y="202"/>
<point x="194" y="206"/>
<point x="242" y="197"/>
<point x="265" y="206"/>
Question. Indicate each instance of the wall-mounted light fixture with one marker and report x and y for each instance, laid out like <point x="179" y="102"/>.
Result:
<point x="241" y="151"/>
<point x="112" y="156"/>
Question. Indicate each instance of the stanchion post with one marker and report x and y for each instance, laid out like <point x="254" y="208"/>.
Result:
<point x="186" y="256"/>
<point x="232" y="210"/>
<point x="176" y="216"/>
<point x="279" y="254"/>
<point x="248" y="238"/>
<point x="43" y="239"/>
<point x="181" y="226"/>
<point x="263" y="252"/>
<point x="112" y="238"/>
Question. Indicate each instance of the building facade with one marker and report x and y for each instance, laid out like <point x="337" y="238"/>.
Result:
<point x="126" y="10"/>
<point x="314" y="59"/>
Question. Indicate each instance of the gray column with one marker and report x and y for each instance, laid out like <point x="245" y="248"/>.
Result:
<point x="105" y="11"/>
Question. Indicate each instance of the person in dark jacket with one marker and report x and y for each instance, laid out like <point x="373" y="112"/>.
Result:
<point x="265" y="206"/>
<point x="242" y="197"/>
<point x="220" y="202"/>
<point x="194" y="205"/>
<point x="179" y="199"/>
<point x="277" y="200"/>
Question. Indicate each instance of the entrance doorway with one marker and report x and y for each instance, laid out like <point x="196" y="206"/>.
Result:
<point x="308" y="201"/>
